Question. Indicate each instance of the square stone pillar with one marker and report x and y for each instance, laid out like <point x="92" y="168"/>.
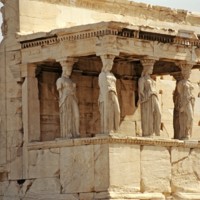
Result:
<point x="30" y="110"/>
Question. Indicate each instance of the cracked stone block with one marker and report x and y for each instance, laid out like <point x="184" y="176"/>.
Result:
<point x="88" y="196"/>
<point x="77" y="169"/>
<point x="44" y="186"/>
<point x="44" y="163"/>
<point x="3" y="187"/>
<point x="124" y="166"/>
<point x="185" y="169"/>
<point x="12" y="191"/>
<point x="101" y="169"/>
<point x="155" y="169"/>
<point x="15" y="163"/>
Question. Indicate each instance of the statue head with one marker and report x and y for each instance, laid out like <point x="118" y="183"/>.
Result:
<point x="107" y="61"/>
<point x="66" y="71"/>
<point x="67" y="67"/>
<point x="186" y="73"/>
<point x="147" y="70"/>
<point x="148" y="65"/>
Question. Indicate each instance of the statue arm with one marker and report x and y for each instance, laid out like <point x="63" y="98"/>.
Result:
<point x="59" y="87"/>
<point x="180" y="90"/>
<point x="141" y="90"/>
<point x="58" y="84"/>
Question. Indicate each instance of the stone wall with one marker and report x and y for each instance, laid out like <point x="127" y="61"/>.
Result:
<point x="61" y="15"/>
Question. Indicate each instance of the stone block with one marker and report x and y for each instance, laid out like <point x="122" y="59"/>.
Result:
<point x="155" y="169"/>
<point x="185" y="170"/>
<point x="3" y="174"/>
<point x="2" y="155"/>
<point x="84" y="81"/>
<point x="84" y="196"/>
<point x="14" y="90"/>
<point x="50" y="127"/>
<point x="196" y="108"/>
<point x="186" y="196"/>
<point x="3" y="107"/>
<point x="44" y="163"/>
<point x="167" y="129"/>
<point x="12" y="191"/>
<point x="49" y="107"/>
<point x="14" y="105"/>
<point x="124" y="169"/>
<point x="95" y="94"/>
<point x="195" y="132"/>
<point x="52" y="197"/>
<point x="2" y="91"/>
<point x="77" y="169"/>
<point x="102" y="196"/>
<point x="101" y="167"/>
<point x="95" y="83"/>
<point x="127" y="128"/>
<point x="14" y="122"/>
<point x="50" y="186"/>
<point x="24" y="187"/>
<point x="85" y="95"/>
<point x="3" y="187"/>
<point x="194" y="77"/>
<point x="3" y="128"/>
<point x="15" y="163"/>
<point x="14" y="138"/>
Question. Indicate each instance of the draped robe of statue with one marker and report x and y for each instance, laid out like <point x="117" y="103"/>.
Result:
<point x="186" y="108"/>
<point x="108" y="102"/>
<point x="69" y="112"/>
<point x="150" y="109"/>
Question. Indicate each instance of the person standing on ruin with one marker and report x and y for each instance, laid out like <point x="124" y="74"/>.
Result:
<point x="186" y="105"/>
<point x="69" y="112"/>
<point x="150" y="108"/>
<point x="108" y="100"/>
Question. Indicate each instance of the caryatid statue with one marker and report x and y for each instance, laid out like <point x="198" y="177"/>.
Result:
<point x="69" y="111"/>
<point x="186" y="103"/>
<point x="108" y="100"/>
<point x="176" y="99"/>
<point x="148" y="99"/>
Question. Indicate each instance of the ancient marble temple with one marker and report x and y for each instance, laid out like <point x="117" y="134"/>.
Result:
<point x="99" y="100"/>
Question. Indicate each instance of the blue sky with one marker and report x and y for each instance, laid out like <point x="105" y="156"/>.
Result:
<point x="190" y="5"/>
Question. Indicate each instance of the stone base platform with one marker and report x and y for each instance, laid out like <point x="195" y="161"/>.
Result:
<point x="108" y="167"/>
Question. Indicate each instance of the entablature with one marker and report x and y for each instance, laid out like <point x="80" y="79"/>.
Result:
<point x="128" y="43"/>
<point x="109" y="28"/>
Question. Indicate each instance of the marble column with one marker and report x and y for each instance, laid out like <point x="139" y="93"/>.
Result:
<point x="68" y="104"/>
<point x="30" y="104"/>
<point x="186" y="102"/>
<point x="108" y="98"/>
<point x="30" y="111"/>
<point x="148" y="101"/>
<point x="176" y="100"/>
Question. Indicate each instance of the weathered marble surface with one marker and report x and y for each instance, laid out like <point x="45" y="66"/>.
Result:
<point x="115" y="167"/>
<point x="44" y="163"/>
<point x="155" y="169"/>
<point x="34" y="164"/>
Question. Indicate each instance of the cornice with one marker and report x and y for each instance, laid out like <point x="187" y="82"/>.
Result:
<point x="102" y="29"/>
<point x="112" y="139"/>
